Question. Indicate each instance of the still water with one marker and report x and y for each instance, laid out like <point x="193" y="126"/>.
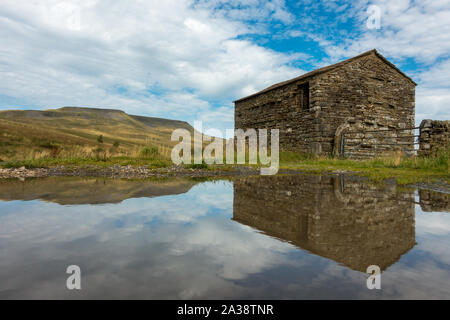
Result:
<point x="291" y="237"/>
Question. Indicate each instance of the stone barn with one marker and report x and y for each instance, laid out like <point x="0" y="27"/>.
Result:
<point x="358" y="99"/>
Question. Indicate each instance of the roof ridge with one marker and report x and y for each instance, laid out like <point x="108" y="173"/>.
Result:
<point x="326" y="69"/>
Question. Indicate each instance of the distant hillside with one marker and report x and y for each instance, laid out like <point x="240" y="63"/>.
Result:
<point x="72" y="131"/>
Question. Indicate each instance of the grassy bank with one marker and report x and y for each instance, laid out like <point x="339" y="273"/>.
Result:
<point x="76" y="161"/>
<point x="82" y="133"/>
<point x="405" y="170"/>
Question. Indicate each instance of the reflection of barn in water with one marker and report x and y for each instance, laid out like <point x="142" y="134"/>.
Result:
<point x="432" y="201"/>
<point x="347" y="221"/>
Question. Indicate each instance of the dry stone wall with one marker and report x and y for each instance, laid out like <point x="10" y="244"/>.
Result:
<point x="432" y="201"/>
<point x="434" y="137"/>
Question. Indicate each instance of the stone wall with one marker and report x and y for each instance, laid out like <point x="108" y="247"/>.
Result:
<point x="432" y="201"/>
<point x="362" y="141"/>
<point x="434" y="136"/>
<point x="367" y="95"/>
<point x="279" y="109"/>
<point x="339" y="218"/>
<point x="366" y="92"/>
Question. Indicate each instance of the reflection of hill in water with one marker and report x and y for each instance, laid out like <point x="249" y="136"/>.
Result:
<point x="75" y="190"/>
<point x="347" y="221"/>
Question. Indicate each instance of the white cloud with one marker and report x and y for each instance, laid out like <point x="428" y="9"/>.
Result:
<point x="432" y="104"/>
<point x="416" y="30"/>
<point x="433" y="94"/>
<point x="188" y="60"/>
<point x="409" y="29"/>
<point x="177" y="59"/>
<point x="256" y="10"/>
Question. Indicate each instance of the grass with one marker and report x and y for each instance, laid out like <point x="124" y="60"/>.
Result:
<point x="122" y="161"/>
<point x="405" y="170"/>
<point x="197" y="166"/>
<point x="67" y="133"/>
<point x="157" y="162"/>
<point x="68" y="150"/>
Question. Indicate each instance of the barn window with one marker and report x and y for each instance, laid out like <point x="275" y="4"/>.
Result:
<point x="303" y="96"/>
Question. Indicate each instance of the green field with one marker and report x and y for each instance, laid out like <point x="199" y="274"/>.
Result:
<point x="82" y="133"/>
<point x="73" y="136"/>
<point x="403" y="169"/>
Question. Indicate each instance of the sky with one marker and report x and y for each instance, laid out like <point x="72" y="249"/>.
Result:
<point x="190" y="59"/>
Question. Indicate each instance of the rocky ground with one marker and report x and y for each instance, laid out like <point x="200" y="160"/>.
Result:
<point x="123" y="172"/>
<point x="142" y="172"/>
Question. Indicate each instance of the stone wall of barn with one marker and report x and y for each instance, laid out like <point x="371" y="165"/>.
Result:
<point x="434" y="136"/>
<point x="365" y="93"/>
<point x="280" y="109"/>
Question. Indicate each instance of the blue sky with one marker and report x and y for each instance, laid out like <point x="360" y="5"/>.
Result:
<point x="189" y="59"/>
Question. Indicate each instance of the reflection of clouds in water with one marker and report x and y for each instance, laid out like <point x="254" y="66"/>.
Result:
<point x="162" y="247"/>
<point x="437" y="223"/>
<point x="437" y="248"/>
<point x="214" y="194"/>
<point x="187" y="246"/>
<point x="40" y="221"/>
<point x="422" y="273"/>
<point x="423" y="279"/>
<point x="233" y="252"/>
